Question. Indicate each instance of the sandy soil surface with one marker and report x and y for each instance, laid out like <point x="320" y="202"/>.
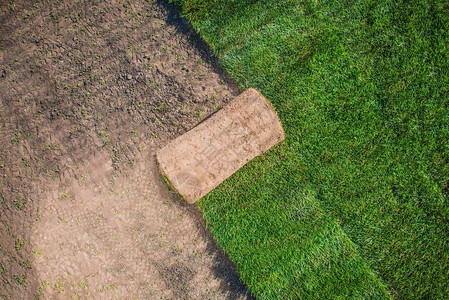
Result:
<point x="89" y="91"/>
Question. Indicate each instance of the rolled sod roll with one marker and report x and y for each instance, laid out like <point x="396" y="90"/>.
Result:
<point x="202" y="158"/>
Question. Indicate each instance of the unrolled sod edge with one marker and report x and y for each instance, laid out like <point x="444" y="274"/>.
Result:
<point x="167" y="181"/>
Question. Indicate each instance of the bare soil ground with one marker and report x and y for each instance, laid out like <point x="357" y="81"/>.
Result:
<point x="89" y="91"/>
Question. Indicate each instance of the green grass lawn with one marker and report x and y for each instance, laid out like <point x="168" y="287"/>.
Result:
<point x="354" y="204"/>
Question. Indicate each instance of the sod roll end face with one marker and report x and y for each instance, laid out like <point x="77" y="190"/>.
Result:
<point x="199" y="160"/>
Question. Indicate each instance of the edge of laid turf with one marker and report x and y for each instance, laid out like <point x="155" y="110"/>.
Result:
<point x="300" y="254"/>
<point x="355" y="199"/>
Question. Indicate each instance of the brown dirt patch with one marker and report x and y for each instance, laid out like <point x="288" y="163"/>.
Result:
<point x="89" y="91"/>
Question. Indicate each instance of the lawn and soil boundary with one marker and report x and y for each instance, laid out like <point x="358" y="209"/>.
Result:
<point x="354" y="204"/>
<point x="89" y="91"/>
